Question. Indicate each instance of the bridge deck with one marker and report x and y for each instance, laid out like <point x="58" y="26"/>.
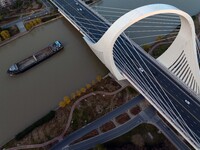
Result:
<point x="162" y="90"/>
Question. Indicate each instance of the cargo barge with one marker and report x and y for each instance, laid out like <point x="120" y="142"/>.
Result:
<point x="35" y="59"/>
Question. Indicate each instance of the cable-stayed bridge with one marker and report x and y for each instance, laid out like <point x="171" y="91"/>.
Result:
<point x="174" y="93"/>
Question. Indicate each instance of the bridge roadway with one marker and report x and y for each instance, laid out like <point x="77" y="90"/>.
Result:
<point x="160" y="87"/>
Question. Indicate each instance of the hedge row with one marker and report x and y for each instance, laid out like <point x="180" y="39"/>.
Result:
<point x="38" y="123"/>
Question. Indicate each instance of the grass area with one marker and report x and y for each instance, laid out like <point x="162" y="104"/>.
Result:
<point x="158" y="51"/>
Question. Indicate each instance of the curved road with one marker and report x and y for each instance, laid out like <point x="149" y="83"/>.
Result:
<point x="161" y="88"/>
<point x="59" y="138"/>
<point x="95" y="124"/>
<point x="147" y="116"/>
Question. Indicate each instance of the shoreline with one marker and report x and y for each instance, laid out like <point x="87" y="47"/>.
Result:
<point x="26" y="32"/>
<point x="57" y="108"/>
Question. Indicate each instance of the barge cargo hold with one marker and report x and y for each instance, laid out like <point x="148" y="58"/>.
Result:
<point x="35" y="59"/>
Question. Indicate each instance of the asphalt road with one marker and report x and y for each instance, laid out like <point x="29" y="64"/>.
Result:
<point x="151" y="117"/>
<point x="146" y="116"/>
<point x="171" y="135"/>
<point x="108" y="135"/>
<point x="95" y="124"/>
<point x="163" y="89"/>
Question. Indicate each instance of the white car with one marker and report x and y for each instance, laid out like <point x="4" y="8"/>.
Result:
<point x="187" y="102"/>
<point x="141" y="69"/>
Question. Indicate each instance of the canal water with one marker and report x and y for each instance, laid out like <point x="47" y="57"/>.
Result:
<point x="143" y="38"/>
<point x="27" y="97"/>
<point x="189" y="6"/>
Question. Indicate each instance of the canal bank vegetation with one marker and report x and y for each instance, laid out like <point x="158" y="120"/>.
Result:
<point x="19" y="8"/>
<point x="145" y="136"/>
<point x="162" y="43"/>
<point x="4" y="35"/>
<point x="15" y="33"/>
<point x="30" y="24"/>
<point x="87" y="110"/>
<point x="7" y="33"/>
<point x="38" y="123"/>
<point x="66" y="101"/>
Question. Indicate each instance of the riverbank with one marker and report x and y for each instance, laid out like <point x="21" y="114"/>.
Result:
<point x="43" y="86"/>
<point x="97" y="96"/>
<point x="159" y="47"/>
<point x="26" y="32"/>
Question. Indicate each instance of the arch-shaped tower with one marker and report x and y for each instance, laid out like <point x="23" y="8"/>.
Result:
<point x="180" y="58"/>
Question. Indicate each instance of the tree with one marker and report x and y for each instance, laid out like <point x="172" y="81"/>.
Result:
<point x="88" y="86"/>
<point x="5" y="34"/>
<point x="67" y="100"/>
<point x="78" y="93"/>
<point x="73" y="96"/>
<point x="158" y="38"/>
<point x="18" y="4"/>
<point x="99" y="78"/>
<point x="93" y="82"/>
<point x="83" y="90"/>
<point x="99" y="147"/>
<point x="28" y="26"/>
<point x="1" y="17"/>
<point x="146" y="47"/>
<point x="62" y="104"/>
<point x="38" y="20"/>
<point x="31" y="23"/>
<point x="34" y="22"/>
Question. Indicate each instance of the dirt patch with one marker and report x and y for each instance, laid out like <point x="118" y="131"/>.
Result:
<point x="87" y="136"/>
<point x="107" y="126"/>
<point x="122" y="118"/>
<point x="135" y="110"/>
<point x="137" y="140"/>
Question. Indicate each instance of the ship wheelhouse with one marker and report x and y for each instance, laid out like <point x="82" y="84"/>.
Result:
<point x="13" y="68"/>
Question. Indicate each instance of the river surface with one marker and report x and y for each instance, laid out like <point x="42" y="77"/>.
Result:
<point x="146" y="38"/>
<point x="27" y="97"/>
<point x="189" y="6"/>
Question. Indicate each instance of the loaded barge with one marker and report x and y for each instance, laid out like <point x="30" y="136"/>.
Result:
<point x="35" y="59"/>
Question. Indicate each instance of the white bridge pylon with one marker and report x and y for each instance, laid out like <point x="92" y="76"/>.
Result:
<point x="180" y="58"/>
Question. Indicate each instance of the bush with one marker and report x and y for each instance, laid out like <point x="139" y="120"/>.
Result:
<point x="5" y="34"/>
<point x="38" y="123"/>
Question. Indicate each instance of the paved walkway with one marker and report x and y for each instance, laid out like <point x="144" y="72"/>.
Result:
<point x="59" y="138"/>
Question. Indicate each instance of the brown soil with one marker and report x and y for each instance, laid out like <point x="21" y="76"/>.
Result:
<point x="87" y="136"/>
<point x="107" y="126"/>
<point x="122" y="118"/>
<point x="135" y="110"/>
